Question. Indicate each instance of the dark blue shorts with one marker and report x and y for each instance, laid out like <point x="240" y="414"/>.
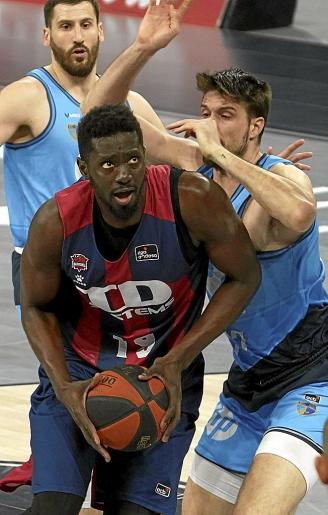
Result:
<point x="63" y="460"/>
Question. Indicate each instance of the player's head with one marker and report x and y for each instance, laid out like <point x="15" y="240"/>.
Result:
<point x="322" y="461"/>
<point x="73" y="32"/>
<point x="113" y="158"/>
<point x="240" y="104"/>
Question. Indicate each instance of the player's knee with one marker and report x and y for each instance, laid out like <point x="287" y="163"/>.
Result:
<point x="128" y="508"/>
<point x="55" y="503"/>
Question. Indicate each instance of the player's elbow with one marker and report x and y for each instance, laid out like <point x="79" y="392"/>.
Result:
<point x="302" y="217"/>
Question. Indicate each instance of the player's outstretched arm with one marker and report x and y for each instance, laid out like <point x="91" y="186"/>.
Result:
<point x="212" y="222"/>
<point x="40" y="284"/>
<point x="159" y="26"/>
<point x="284" y="192"/>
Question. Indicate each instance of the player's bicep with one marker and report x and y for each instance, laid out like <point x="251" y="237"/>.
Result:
<point x="141" y="107"/>
<point x="228" y="245"/>
<point x="41" y="259"/>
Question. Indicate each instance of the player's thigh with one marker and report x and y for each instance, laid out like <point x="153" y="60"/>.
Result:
<point x="197" y="500"/>
<point x="62" y="458"/>
<point x="89" y="511"/>
<point x="273" y="486"/>
<point x="149" y="478"/>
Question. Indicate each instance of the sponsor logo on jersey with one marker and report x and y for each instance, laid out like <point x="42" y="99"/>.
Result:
<point x="312" y="397"/>
<point x="79" y="262"/>
<point x="147" y="252"/>
<point x="306" y="408"/>
<point x="71" y="127"/>
<point x="73" y="115"/>
<point x="129" y="299"/>
<point x="163" y="490"/>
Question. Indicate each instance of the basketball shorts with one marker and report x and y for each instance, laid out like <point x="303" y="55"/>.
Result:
<point x="63" y="460"/>
<point x="233" y="434"/>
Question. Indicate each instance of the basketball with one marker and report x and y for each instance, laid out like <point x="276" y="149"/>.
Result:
<point x="127" y="412"/>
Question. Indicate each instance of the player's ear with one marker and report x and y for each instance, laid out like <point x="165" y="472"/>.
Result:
<point x="46" y="37"/>
<point x="101" y="32"/>
<point x="83" y="167"/>
<point x="256" y="127"/>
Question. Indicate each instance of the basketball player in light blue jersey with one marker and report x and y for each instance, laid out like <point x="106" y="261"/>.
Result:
<point x="39" y="114"/>
<point x="257" y="454"/>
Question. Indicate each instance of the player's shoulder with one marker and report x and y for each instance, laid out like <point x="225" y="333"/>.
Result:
<point x="26" y="92"/>
<point x="47" y="216"/>
<point x="199" y="186"/>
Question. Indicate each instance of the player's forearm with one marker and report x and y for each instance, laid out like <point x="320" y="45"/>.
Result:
<point x="225" y="306"/>
<point x="283" y="199"/>
<point x="44" y="336"/>
<point x="114" y="85"/>
<point x="161" y="147"/>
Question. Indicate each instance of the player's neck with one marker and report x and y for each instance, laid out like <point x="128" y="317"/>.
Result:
<point x="78" y="87"/>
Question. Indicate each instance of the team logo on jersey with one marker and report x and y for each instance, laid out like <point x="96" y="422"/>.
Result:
<point x="311" y="397"/>
<point x="79" y="279"/>
<point x="163" y="490"/>
<point x="147" y="252"/>
<point x="306" y="408"/>
<point x="71" y="127"/>
<point x="79" y="262"/>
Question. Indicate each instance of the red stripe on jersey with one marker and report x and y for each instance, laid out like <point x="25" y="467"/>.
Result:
<point x="158" y="198"/>
<point x="72" y="217"/>
<point x="114" y="271"/>
<point x="87" y="337"/>
<point x="180" y="313"/>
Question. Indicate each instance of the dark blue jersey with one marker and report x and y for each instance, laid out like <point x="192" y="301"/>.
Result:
<point x="138" y="306"/>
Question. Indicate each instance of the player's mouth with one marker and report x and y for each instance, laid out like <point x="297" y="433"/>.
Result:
<point x="123" y="197"/>
<point x="80" y="52"/>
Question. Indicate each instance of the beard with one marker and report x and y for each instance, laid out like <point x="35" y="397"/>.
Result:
<point x="68" y="62"/>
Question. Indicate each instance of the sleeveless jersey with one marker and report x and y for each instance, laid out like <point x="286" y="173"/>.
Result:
<point x="34" y="171"/>
<point x="139" y="306"/>
<point x="279" y="338"/>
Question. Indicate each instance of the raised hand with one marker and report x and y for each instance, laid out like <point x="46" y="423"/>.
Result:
<point x="161" y="23"/>
<point x="288" y="153"/>
<point x="204" y="130"/>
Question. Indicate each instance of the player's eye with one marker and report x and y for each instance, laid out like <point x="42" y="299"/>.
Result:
<point x="134" y="160"/>
<point x="107" y="164"/>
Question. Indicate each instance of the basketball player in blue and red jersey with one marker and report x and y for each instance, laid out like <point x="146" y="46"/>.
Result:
<point x="257" y="453"/>
<point x="91" y="300"/>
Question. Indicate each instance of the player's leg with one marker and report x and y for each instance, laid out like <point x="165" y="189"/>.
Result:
<point x="223" y="455"/>
<point x="62" y="458"/>
<point x="273" y="486"/>
<point x="284" y="466"/>
<point x="55" y="503"/>
<point x="197" y="500"/>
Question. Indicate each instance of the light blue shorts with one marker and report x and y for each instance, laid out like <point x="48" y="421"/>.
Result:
<point x="232" y="435"/>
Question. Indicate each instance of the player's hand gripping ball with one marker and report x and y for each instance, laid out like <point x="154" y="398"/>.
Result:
<point x="125" y="411"/>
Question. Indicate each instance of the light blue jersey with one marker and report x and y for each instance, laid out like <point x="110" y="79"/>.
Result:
<point x="278" y="338"/>
<point x="279" y="379"/>
<point x="36" y="170"/>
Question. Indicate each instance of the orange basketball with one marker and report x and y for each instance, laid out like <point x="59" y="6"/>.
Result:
<point x="127" y="412"/>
